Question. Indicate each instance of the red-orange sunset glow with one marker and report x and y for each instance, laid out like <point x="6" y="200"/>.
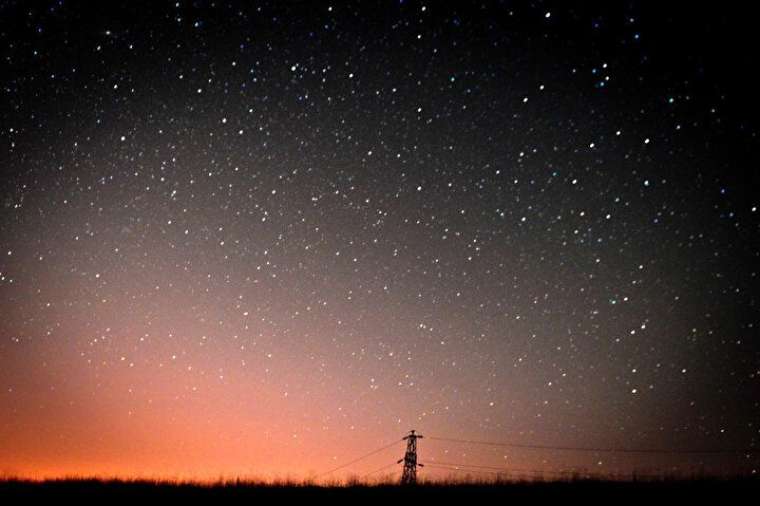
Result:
<point x="264" y="241"/>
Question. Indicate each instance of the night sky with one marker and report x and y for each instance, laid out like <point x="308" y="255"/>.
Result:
<point x="262" y="240"/>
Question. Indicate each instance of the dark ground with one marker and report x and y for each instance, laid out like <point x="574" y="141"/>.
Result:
<point x="682" y="491"/>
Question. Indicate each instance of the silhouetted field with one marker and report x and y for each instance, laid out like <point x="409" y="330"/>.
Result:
<point x="18" y="491"/>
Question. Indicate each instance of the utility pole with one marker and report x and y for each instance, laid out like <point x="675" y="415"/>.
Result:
<point x="409" y="476"/>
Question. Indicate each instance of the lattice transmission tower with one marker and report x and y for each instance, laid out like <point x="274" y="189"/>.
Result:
<point x="409" y="475"/>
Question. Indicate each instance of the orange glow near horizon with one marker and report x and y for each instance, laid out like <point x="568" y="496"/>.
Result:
<point x="201" y="390"/>
<point x="260" y="240"/>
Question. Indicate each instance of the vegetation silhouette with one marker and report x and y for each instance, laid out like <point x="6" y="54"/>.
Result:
<point x="355" y="489"/>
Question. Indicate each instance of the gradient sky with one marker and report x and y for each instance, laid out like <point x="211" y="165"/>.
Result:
<point x="261" y="240"/>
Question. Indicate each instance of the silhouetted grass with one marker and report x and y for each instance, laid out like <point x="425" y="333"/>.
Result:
<point x="226" y="491"/>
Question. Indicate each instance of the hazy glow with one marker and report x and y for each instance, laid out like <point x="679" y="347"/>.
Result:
<point x="260" y="243"/>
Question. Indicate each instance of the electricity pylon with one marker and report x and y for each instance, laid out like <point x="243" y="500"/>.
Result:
<point x="409" y="476"/>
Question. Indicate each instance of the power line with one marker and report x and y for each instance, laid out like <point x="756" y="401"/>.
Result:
<point x="465" y="469"/>
<point x="593" y="450"/>
<point x="495" y="469"/>
<point x="381" y="469"/>
<point x="360" y="458"/>
<point x="501" y="470"/>
<point x="504" y="470"/>
<point x="461" y="469"/>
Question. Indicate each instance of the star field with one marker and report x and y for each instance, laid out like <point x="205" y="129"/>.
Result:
<point x="262" y="239"/>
